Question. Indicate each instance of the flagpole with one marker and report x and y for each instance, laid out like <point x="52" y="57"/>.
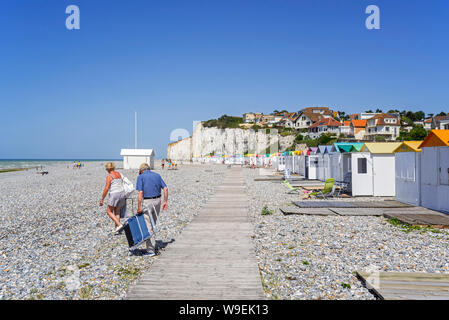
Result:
<point x="135" y="130"/>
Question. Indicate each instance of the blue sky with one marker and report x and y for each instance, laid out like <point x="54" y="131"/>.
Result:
<point x="72" y="94"/>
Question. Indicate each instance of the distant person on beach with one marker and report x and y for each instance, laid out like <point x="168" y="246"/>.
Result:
<point x="149" y="185"/>
<point x="114" y="185"/>
<point x="162" y="164"/>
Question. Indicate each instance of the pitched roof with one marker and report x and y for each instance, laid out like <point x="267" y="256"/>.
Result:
<point x="359" y="123"/>
<point x="409" y="146"/>
<point x="324" y="149"/>
<point x="436" y="138"/>
<point x="348" y="146"/>
<point x="381" y="119"/>
<point x="326" y="110"/>
<point x="380" y="147"/>
<point x="346" y="123"/>
<point x="437" y="119"/>
<point x="314" y="117"/>
<point x="326" y="122"/>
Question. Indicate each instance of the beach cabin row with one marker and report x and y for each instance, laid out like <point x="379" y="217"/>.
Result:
<point x="415" y="172"/>
<point x="422" y="172"/>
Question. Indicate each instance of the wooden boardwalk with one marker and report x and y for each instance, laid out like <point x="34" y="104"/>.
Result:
<point x="407" y="285"/>
<point x="213" y="258"/>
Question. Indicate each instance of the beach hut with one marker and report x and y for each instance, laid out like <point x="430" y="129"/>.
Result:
<point x="373" y="169"/>
<point x="133" y="158"/>
<point x="313" y="150"/>
<point x="340" y="160"/>
<point x="435" y="170"/>
<point x="408" y="172"/>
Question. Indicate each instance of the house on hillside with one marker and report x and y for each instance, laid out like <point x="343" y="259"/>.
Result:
<point x="267" y="120"/>
<point x="440" y="122"/>
<point x="385" y="125"/>
<point x="252" y="117"/>
<point x="427" y="124"/>
<point x="358" y="129"/>
<point x="345" y="128"/>
<point x="290" y="120"/>
<point x="326" y="125"/>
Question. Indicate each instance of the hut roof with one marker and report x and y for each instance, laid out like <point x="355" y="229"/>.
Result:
<point x="436" y="138"/>
<point x="137" y="152"/>
<point x="380" y="147"/>
<point x="409" y="146"/>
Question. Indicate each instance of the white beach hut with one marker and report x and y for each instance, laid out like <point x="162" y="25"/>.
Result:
<point x="408" y="172"/>
<point x="133" y="158"/>
<point x="435" y="171"/>
<point x="373" y="169"/>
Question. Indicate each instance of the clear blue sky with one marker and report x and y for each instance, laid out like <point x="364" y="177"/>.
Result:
<point x="72" y="94"/>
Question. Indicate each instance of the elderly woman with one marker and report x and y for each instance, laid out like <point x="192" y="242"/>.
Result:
<point x="114" y="185"/>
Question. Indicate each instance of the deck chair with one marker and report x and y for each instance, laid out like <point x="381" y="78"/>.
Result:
<point x="292" y="189"/>
<point x="345" y="185"/>
<point x="328" y="190"/>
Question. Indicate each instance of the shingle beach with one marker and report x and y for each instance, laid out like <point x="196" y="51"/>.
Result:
<point x="56" y="242"/>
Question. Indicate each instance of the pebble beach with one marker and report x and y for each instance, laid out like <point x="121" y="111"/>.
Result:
<point x="315" y="257"/>
<point x="56" y="242"/>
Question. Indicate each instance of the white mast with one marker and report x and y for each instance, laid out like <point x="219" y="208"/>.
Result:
<point x="135" y="130"/>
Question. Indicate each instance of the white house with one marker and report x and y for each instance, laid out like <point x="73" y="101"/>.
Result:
<point x="385" y="125"/>
<point x="133" y="158"/>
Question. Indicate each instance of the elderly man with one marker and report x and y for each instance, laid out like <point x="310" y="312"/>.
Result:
<point x="149" y="185"/>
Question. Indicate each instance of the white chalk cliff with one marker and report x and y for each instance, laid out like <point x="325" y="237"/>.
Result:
<point x="206" y="141"/>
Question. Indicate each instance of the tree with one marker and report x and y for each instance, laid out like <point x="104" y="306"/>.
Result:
<point x="410" y="115"/>
<point x="393" y="111"/>
<point x="369" y="111"/>
<point x="275" y="111"/>
<point x="380" y="138"/>
<point x="417" y="133"/>
<point x="442" y="113"/>
<point x="299" y="137"/>
<point x="378" y="110"/>
<point x="419" y="115"/>
<point x="324" y="139"/>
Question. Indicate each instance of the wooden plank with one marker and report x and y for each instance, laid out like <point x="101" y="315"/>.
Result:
<point x="290" y="210"/>
<point x="435" y="220"/>
<point x="213" y="258"/>
<point x="407" y="285"/>
<point x="357" y="211"/>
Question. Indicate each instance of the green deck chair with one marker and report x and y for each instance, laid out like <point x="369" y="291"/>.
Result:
<point x="292" y="189"/>
<point x="328" y="190"/>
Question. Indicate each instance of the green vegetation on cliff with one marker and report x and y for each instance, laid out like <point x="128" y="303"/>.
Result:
<point x="223" y="122"/>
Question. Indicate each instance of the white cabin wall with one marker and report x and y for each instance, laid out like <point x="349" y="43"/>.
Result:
<point x="408" y="177"/>
<point x="384" y="175"/>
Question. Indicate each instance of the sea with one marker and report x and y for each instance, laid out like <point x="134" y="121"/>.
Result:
<point x="33" y="163"/>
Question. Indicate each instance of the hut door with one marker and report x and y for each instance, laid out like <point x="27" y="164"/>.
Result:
<point x="362" y="174"/>
<point x="444" y="165"/>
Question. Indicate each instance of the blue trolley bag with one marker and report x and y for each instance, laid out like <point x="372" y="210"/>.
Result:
<point x="136" y="231"/>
